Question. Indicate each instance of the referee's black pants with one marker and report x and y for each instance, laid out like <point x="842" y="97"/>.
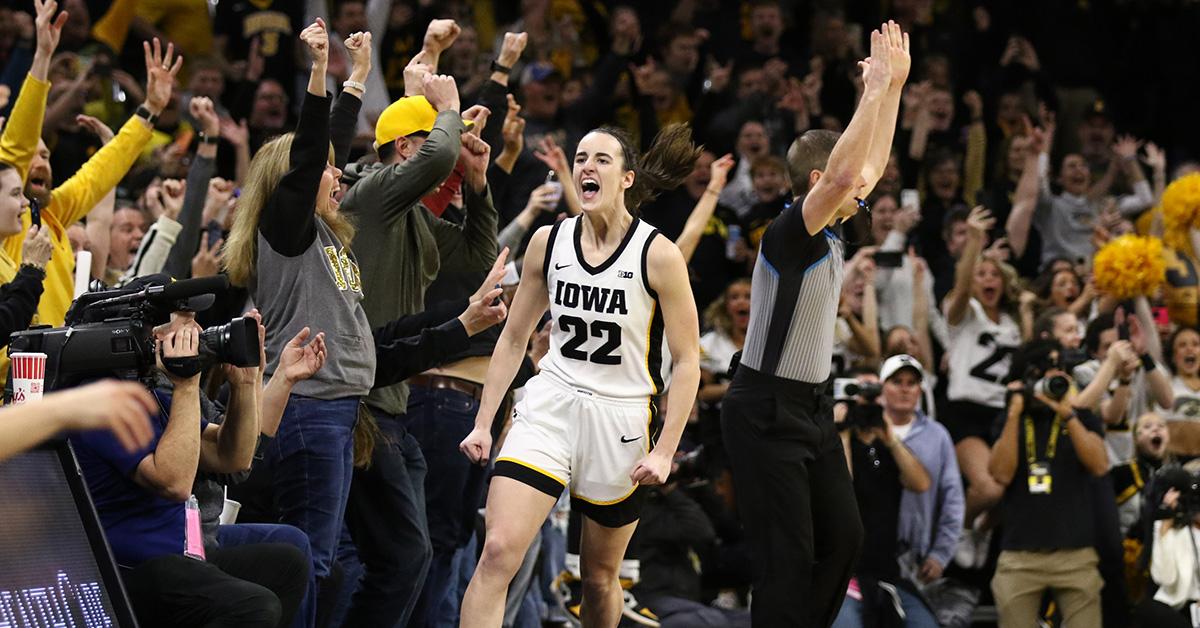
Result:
<point x="794" y="496"/>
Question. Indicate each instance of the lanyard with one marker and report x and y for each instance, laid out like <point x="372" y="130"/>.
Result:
<point x="1051" y="442"/>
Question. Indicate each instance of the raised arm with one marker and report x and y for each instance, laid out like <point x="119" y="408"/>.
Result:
<point x="299" y="360"/>
<point x="472" y="246"/>
<point x="344" y="117"/>
<point x="979" y="223"/>
<point x="288" y="220"/>
<point x="668" y="277"/>
<point x="191" y="215"/>
<point x="1028" y="193"/>
<point x="844" y="176"/>
<point x="899" y="62"/>
<point x="921" y="310"/>
<point x="105" y="169"/>
<point x="693" y="229"/>
<point x="19" y="142"/>
<point x="528" y="305"/>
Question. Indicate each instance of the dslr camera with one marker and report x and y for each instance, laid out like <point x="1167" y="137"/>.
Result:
<point x="111" y="333"/>
<point x="1188" y="485"/>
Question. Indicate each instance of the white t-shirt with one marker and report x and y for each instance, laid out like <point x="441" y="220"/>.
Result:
<point x="901" y="431"/>
<point x="716" y="351"/>
<point x="980" y="356"/>
<point x="1187" y="402"/>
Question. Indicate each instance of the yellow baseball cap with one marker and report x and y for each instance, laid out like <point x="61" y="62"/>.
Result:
<point x="411" y="114"/>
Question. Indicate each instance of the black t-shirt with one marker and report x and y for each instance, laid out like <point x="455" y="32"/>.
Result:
<point x="877" y="489"/>
<point x="710" y="270"/>
<point x="756" y="221"/>
<point x="1061" y="518"/>
<point x="276" y="24"/>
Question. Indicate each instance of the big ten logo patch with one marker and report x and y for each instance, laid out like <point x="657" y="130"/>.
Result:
<point x="345" y="270"/>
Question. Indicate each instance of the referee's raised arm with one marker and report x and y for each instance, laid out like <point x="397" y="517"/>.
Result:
<point x="860" y="155"/>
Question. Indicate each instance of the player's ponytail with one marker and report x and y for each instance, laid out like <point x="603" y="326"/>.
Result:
<point x="671" y="158"/>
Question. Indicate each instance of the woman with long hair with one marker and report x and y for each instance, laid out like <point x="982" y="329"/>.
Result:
<point x="983" y="336"/>
<point x="588" y="419"/>
<point x="289" y="247"/>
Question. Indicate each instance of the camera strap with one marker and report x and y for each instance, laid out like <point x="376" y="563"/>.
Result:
<point x="1040" y="480"/>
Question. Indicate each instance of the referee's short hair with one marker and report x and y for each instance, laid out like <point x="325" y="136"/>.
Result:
<point x="809" y="152"/>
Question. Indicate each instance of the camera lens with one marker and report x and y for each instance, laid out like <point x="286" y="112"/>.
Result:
<point x="1054" y="387"/>
<point x="235" y="342"/>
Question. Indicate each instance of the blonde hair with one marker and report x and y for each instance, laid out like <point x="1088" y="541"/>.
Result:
<point x="716" y="315"/>
<point x="269" y="165"/>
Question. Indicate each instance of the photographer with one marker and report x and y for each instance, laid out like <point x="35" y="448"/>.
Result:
<point x="1174" y="558"/>
<point x="883" y="468"/>
<point x="1045" y="456"/>
<point x="144" y="498"/>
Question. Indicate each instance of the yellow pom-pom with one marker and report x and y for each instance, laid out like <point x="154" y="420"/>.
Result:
<point x="1130" y="266"/>
<point x="1181" y="211"/>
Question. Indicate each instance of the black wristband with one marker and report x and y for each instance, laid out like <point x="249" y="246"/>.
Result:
<point x="1148" y="362"/>
<point x="496" y="67"/>
<point x="145" y="113"/>
<point x="41" y="270"/>
<point x="209" y="139"/>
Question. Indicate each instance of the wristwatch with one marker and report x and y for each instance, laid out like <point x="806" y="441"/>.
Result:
<point x="143" y="112"/>
<point x="205" y="138"/>
<point x="496" y="67"/>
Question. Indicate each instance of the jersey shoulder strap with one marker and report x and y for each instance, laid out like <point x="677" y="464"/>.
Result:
<point x="549" y="254"/>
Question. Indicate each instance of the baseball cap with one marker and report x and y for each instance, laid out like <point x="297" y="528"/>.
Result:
<point x="411" y="114"/>
<point x="1098" y="109"/>
<point x="903" y="361"/>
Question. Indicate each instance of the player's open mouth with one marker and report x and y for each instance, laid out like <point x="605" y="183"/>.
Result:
<point x="589" y="189"/>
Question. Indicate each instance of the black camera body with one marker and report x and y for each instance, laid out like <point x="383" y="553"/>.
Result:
<point x="1188" y="485"/>
<point x="111" y="334"/>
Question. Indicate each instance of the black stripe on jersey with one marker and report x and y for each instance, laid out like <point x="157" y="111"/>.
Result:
<point x="811" y="252"/>
<point x="596" y="270"/>
<point x="645" y="264"/>
<point x="654" y="340"/>
<point x="549" y="250"/>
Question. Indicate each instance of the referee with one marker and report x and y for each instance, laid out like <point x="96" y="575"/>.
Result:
<point x="793" y="488"/>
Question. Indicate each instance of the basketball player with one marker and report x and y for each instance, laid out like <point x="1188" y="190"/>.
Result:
<point x="790" y="477"/>
<point x="588" y="419"/>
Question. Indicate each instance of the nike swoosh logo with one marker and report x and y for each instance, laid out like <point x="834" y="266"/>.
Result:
<point x="561" y="266"/>
<point x="628" y="440"/>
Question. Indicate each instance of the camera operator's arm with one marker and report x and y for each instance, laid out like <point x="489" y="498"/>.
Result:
<point x="171" y="468"/>
<point x="1089" y="446"/>
<point x="120" y="407"/>
<point x="229" y="447"/>
<point x="298" y="361"/>
<point x="1003" y="463"/>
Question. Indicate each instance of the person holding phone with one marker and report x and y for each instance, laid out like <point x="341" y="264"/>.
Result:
<point x="22" y="283"/>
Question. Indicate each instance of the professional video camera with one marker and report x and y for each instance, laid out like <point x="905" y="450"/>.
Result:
<point x="1188" y="485"/>
<point x="111" y="333"/>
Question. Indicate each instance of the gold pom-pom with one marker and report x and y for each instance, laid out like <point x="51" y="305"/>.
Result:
<point x="1181" y="211"/>
<point x="1130" y="266"/>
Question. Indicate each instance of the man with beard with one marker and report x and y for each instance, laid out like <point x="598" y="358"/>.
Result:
<point x="62" y="206"/>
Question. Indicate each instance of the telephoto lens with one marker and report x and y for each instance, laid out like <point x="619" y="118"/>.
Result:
<point x="1055" y="387"/>
<point x="235" y="342"/>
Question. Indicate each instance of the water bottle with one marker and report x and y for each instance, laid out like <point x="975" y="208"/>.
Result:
<point x="731" y="243"/>
<point x="552" y="180"/>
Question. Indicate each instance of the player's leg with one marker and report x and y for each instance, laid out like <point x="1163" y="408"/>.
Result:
<point x="515" y="512"/>
<point x="602" y="549"/>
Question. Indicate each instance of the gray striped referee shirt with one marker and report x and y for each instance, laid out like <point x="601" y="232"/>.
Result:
<point x="794" y="298"/>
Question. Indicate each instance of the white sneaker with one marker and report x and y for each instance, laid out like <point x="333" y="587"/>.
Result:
<point x="964" y="552"/>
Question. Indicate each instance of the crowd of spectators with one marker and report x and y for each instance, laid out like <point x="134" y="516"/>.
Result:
<point x="1030" y="135"/>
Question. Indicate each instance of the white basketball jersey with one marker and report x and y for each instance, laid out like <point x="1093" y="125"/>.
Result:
<point x="608" y="327"/>
<point x="980" y="356"/>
